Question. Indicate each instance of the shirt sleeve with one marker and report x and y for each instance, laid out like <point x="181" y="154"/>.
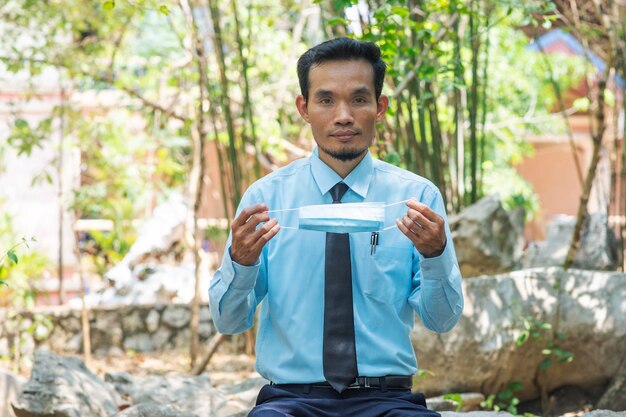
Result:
<point x="235" y="289"/>
<point x="437" y="294"/>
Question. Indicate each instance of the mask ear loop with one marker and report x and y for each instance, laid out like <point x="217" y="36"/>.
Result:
<point x="278" y="211"/>
<point x="389" y="205"/>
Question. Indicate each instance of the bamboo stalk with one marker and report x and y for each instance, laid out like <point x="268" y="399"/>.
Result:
<point x="473" y="107"/>
<point x="225" y="101"/>
<point x="247" y="104"/>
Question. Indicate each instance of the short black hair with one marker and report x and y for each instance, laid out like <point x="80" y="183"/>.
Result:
<point x="341" y="49"/>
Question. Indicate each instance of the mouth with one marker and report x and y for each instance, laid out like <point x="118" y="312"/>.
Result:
<point x="344" y="135"/>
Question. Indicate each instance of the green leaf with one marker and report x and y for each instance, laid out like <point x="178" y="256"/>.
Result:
<point x="400" y="11"/>
<point x="108" y="5"/>
<point x="337" y="21"/>
<point x="12" y="256"/>
<point x="164" y="9"/>
<point x="545" y="364"/>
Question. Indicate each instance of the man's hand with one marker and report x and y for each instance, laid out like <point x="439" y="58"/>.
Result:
<point x="247" y="240"/>
<point x="423" y="227"/>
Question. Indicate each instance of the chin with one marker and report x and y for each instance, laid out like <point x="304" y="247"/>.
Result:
<point x="344" y="154"/>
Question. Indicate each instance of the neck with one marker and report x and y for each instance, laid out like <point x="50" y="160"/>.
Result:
<point x="342" y="168"/>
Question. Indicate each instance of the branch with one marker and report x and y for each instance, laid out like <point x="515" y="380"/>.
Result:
<point x="106" y="79"/>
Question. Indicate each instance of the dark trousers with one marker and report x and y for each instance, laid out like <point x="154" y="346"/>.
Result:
<point x="281" y="401"/>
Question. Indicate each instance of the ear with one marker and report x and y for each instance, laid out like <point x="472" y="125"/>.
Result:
<point x="301" y="104"/>
<point x="381" y="107"/>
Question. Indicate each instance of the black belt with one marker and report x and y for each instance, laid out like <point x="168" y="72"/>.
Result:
<point x="382" y="383"/>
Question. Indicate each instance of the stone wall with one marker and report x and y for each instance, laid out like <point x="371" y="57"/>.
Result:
<point x="139" y="328"/>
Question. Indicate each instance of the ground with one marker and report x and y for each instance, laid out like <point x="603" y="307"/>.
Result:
<point x="224" y="368"/>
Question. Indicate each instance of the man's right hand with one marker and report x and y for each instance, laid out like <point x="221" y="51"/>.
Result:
<point x="248" y="241"/>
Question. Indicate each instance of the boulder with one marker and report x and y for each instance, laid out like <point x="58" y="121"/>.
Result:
<point x="614" y="397"/>
<point x="64" y="387"/>
<point x="598" y="245"/>
<point x="584" y="308"/>
<point x="476" y="414"/>
<point x="189" y="395"/>
<point x="10" y="387"/>
<point x="469" y="402"/>
<point x="488" y="240"/>
<point x="153" y="410"/>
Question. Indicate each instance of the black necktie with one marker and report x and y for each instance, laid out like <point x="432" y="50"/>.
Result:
<point x="340" y="368"/>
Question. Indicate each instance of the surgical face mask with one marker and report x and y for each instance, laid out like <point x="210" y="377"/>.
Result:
<point x="343" y="218"/>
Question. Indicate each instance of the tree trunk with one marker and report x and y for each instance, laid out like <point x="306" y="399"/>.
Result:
<point x="600" y="126"/>
<point x="199" y="159"/>
<point x="60" y="195"/>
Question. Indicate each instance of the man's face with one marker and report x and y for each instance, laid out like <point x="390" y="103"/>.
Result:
<point x="342" y="109"/>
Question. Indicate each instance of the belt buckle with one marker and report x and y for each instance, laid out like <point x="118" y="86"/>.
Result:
<point x="362" y="382"/>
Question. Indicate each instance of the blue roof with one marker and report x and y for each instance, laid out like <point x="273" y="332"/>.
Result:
<point x="559" y="35"/>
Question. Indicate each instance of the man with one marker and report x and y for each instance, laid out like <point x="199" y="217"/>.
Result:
<point x="337" y="308"/>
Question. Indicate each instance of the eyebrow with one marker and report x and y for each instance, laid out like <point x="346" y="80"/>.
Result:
<point x="361" y="90"/>
<point x="325" y="93"/>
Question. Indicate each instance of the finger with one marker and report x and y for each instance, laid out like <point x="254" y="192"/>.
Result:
<point x="406" y="231"/>
<point x="247" y="212"/>
<point x="411" y="225"/>
<point x="422" y="208"/>
<point x="258" y="233"/>
<point x="419" y="219"/>
<point x="266" y="237"/>
<point x="250" y="226"/>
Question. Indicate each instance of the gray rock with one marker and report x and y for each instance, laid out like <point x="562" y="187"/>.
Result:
<point x="487" y="239"/>
<point x="614" y="397"/>
<point x="176" y="316"/>
<point x="64" y="387"/>
<point x="245" y="392"/>
<point x="152" y="321"/>
<point x="133" y="322"/>
<point x="193" y="395"/>
<point x="205" y="330"/>
<point x="440" y="404"/>
<point x="10" y="387"/>
<point x="205" y="314"/>
<point x="153" y="410"/>
<point x="480" y="354"/>
<point x="605" y="413"/>
<point x="469" y="402"/>
<point x="161" y="338"/>
<point x="598" y="246"/>
<point x="139" y="342"/>
<point x="476" y="414"/>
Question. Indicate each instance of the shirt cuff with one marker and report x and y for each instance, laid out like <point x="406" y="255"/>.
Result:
<point x="439" y="266"/>
<point x="240" y="277"/>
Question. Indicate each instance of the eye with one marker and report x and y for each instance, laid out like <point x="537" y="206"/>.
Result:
<point x="325" y="101"/>
<point x="360" y="100"/>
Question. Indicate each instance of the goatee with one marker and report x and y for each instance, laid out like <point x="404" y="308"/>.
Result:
<point x="345" y="155"/>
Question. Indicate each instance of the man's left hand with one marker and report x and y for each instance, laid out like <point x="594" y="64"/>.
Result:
<point x="423" y="227"/>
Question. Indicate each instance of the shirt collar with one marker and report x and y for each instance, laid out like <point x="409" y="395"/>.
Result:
<point x="358" y="180"/>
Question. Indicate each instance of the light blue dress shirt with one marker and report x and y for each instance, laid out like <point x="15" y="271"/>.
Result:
<point x="288" y="279"/>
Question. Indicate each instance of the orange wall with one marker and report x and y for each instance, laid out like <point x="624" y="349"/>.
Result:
<point x="552" y="172"/>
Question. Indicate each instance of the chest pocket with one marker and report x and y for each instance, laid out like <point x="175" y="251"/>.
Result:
<point x="388" y="274"/>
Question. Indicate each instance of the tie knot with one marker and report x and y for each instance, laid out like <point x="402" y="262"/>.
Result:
<point x="338" y="191"/>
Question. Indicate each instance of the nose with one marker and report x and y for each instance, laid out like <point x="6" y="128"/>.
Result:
<point x="343" y="114"/>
